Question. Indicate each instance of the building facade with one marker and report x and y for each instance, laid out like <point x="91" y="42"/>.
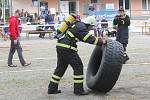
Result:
<point x="134" y="8"/>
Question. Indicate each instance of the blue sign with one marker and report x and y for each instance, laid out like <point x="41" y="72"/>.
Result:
<point x="109" y="15"/>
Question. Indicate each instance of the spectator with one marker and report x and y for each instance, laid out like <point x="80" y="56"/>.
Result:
<point x="22" y="16"/>
<point x="104" y="22"/>
<point x="22" y="13"/>
<point x="49" y="19"/>
<point x="26" y="15"/>
<point x="57" y="18"/>
<point x="122" y="21"/>
<point x="15" y="43"/>
<point x="36" y="17"/>
<point x="104" y="26"/>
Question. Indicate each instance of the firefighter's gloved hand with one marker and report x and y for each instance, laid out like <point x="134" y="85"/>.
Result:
<point x="102" y="42"/>
<point x="58" y="36"/>
<point x="55" y="34"/>
<point x="15" y="42"/>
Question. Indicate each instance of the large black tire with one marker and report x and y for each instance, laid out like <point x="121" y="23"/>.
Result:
<point x="105" y="66"/>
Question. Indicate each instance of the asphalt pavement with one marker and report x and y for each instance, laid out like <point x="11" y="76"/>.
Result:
<point x="30" y="83"/>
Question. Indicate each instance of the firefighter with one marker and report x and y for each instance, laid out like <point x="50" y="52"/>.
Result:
<point x="67" y="54"/>
<point x="122" y="21"/>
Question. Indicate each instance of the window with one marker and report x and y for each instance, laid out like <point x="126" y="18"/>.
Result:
<point x="93" y="1"/>
<point x="126" y="4"/>
<point x="72" y="7"/>
<point x="146" y="4"/>
<point x="35" y="3"/>
<point x="120" y="3"/>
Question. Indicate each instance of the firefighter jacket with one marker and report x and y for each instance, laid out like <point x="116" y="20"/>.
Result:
<point x="77" y="32"/>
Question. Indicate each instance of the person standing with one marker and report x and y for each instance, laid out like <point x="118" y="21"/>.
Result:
<point x="122" y="21"/>
<point x="49" y="19"/>
<point x="14" y="32"/>
<point x="67" y="54"/>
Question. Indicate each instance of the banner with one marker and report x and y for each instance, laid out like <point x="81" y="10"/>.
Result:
<point x="109" y="15"/>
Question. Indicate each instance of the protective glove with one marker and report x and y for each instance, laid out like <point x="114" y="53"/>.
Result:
<point x="55" y="34"/>
<point x="102" y="41"/>
<point x="58" y="34"/>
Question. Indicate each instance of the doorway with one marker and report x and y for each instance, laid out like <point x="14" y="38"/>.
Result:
<point x="72" y="7"/>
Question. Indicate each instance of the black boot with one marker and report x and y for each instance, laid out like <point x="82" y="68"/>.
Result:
<point x="126" y="58"/>
<point x="78" y="89"/>
<point x="53" y="88"/>
<point x="81" y="92"/>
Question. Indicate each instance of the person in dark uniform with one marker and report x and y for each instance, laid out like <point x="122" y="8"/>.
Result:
<point x="15" y="43"/>
<point x="122" y="21"/>
<point x="67" y="54"/>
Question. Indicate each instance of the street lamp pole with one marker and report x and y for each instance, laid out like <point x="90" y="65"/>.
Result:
<point x="3" y="10"/>
<point x="130" y="8"/>
<point x="59" y="10"/>
<point x="38" y="7"/>
<point x="11" y="8"/>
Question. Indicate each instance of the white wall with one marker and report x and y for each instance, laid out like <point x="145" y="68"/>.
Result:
<point x="24" y="4"/>
<point x="64" y="7"/>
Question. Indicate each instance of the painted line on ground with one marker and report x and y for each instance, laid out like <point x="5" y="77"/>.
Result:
<point x="138" y="53"/>
<point x="21" y="71"/>
<point x="137" y="64"/>
<point x="39" y="70"/>
<point x="49" y="58"/>
<point x="52" y="58"/>
<point x="33" y="59"/>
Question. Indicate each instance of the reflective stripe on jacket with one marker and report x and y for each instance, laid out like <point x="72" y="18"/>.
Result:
<point x="78" y="32"/>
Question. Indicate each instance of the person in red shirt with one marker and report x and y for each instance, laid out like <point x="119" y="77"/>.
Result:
<point x="14" y="32"/>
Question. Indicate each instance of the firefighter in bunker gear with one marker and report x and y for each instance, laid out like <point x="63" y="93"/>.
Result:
<point x="67" y="54"/>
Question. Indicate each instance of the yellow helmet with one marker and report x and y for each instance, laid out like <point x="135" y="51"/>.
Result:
<point x="91" y="20"/>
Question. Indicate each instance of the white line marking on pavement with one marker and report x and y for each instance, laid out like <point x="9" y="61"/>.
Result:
<point x="20" y="71"/>
<point x="36" y="70"/>
<point x="49" y="58"/>
<point x="140" y="53"/>
<point x="33" y="59"/>
<point x="1" y="60"/>
<point x="137" y="64"/>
